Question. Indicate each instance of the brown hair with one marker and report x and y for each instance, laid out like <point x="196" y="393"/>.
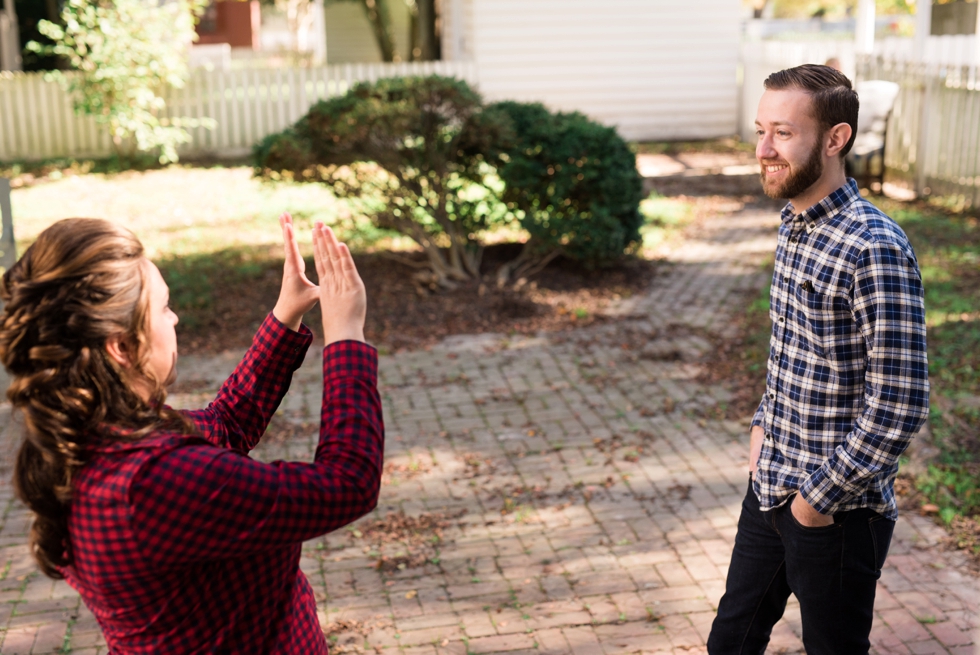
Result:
<point x="81" y="282"/>
<point x="834" y="100"/>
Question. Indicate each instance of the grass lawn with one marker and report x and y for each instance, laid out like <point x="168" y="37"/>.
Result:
<point x="948" y="247"/>
<point x="180" y="210"/>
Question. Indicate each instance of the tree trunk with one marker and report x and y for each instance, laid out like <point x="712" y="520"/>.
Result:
<point x="428" y="37"/>
<point x="380" y="19"/>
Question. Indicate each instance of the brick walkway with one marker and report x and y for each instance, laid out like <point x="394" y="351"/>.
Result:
<point x="565" y="494"/>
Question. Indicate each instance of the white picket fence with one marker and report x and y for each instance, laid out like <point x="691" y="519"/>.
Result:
<point x="933" y="139"/>
<point x="37" y="120"/>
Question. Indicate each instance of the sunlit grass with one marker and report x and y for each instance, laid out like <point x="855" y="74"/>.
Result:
<point x="664" y="217"/>
<point x="184" y="210"/>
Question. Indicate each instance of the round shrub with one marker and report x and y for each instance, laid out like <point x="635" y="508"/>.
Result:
<point x="573" y="182"/>
<point x="417" y="153"/>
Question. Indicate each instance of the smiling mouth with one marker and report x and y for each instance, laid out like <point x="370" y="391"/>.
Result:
<point x="774" y="168"/>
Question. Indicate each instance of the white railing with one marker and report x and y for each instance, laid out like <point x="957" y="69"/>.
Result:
<point x="37" y="120"/>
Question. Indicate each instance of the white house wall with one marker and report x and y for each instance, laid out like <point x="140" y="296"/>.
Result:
<point x="656" y="69"/>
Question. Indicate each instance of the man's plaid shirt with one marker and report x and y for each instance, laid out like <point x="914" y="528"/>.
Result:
<point x="847" y="385"/>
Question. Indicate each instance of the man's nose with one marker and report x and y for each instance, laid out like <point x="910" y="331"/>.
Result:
<point x="764" y="149"/>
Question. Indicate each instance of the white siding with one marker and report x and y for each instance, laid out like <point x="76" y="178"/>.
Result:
<point x="656" y="69"/>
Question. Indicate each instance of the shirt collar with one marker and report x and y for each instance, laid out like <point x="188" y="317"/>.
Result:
<point x="826" y="208"/>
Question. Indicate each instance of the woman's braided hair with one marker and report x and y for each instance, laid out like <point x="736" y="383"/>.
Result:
<point x="80" y="283"/>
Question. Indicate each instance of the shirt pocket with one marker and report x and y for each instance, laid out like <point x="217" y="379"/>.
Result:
<point x="822" y="316"/>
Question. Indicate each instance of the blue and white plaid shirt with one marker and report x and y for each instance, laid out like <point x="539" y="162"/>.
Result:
<point x="847" y="385"/>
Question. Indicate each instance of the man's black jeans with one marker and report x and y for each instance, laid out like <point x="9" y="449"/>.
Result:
<point x="833" y="571"/>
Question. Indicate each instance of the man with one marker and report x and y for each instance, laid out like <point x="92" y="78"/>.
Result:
<point x="846" y="390"/>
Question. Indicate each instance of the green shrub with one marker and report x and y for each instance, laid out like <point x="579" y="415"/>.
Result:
<point x="574" y="185"/>
<point x="417" y="154"/>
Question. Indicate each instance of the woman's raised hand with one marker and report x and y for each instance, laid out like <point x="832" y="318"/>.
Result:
<point x="343" y="300"/>
<point x="298" y="295"/>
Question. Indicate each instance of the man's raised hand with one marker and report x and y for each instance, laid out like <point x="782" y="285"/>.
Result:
<point x="298" y="295"/>
<point x="343" y="300"/>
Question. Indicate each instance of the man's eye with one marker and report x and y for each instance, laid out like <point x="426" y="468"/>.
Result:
<point x="782" y="133"/>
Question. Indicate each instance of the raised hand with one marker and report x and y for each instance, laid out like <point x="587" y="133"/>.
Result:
<point x="343" y="300"/>
<point x="298" y="295"/>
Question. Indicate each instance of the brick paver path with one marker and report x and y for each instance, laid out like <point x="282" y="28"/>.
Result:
<point x="570" y="493"/>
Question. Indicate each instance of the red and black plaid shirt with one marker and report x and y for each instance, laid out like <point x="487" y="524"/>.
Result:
<point x="186" y="545"/>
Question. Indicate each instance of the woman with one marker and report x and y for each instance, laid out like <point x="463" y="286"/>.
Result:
<point x="177" y="541"/>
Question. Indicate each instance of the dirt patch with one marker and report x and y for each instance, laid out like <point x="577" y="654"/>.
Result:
<point x="221" y="307"/>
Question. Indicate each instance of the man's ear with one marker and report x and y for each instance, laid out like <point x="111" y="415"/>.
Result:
<point x="119" y="350"/>
<point x="837" y="138"/>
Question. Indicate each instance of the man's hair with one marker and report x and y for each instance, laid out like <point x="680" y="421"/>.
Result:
<point x="833" y="99"/>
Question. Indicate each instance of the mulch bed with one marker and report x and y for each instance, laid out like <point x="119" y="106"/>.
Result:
<point x="402" y="317"/>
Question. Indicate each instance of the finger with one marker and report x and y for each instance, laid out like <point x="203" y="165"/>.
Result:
<point x="333" y="251"/>
<point x="319" y="252"/>
<point x="328" y="258"/>
<point x="346" y="261"/>
<point x="293" y="256"/>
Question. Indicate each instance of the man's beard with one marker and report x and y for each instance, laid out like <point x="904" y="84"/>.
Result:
<point x="798" y="181"/>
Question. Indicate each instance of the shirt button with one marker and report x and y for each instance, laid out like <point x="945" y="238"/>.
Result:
<point x="782" y="320"/>
<point x="772" y="396"/>
<point x="794" y="240"/>
<point x="785" y="278"/>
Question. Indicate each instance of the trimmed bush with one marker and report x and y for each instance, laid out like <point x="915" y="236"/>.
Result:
<point x="417" y="153"/>
<point x="574" y="185"/>
<point x="424" y="157"/>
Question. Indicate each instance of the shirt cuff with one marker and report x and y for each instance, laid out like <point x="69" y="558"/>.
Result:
<point x="823" y="493"/>
<point x="760" y="415"/>
<point x="277" y="338"/>
<point x="346" y="359"/>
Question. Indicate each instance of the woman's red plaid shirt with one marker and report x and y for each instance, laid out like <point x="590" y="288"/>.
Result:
<point x="185" y="544"/>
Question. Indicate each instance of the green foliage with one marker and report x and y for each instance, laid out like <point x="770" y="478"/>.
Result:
<point x="573" y="183"/>
<point x="126" y="52"/>
<point x="427" y="159"/>
<point x="947" y="246"/>
<point x="953" y="486"/>
<point x="833" y="9"/>
<point x="416" y="153"/>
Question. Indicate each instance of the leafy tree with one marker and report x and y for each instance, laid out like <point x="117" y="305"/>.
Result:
<point x="574" y="185"/>
<point x="416" y="153"/>
<point x="126" y="52"/>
